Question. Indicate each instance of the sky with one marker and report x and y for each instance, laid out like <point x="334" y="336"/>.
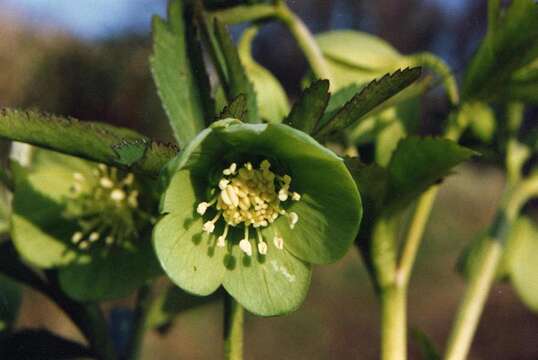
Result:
<point x="88" y="19"/>
<point x="94" y="19"/>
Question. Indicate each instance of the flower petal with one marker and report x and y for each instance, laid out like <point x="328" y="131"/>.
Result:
<point x="270" y="285"/>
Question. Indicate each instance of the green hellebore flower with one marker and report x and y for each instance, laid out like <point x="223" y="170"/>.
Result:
<point x="85" y="219"/>
<point x="251" y="206"/>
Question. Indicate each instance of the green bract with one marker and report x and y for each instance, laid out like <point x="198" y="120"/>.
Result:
<point x="85" y="219"/>
<point x="311" y="214"/>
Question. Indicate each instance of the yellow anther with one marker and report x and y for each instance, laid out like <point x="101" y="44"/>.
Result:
<point x="109" y="240"/>
<point x="250" y="197"/>
<point x="223" y="183"/>
<point x="77" y="236"/>
<point x="84" y="245"/>
<point x="208" y="227"/>
<point x="117" y="195"/>
<point x="106" y="183"/>
<point x="202" y="208"/>
<point x="94" y="236"/>
<point x="293" y="218"/>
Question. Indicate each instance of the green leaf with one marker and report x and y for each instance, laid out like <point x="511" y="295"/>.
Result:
<point x="275" y="284"/>
<point x="358" y="49"/>
<point x="172" y="302"/>
<point x="110" y="275"/>
<point x="271" y="98"/>
<point x="39" y="345"/>
<point x="512" y="43"/>
<point x="11" y="295"/>
<point x="238" y="81"/>
<point x="237" y="109"/>
<point x="426" y="345"/>
<point x="93" y="141"/>
<point x="307" y="111"/>
<point x="417" y="163"/>
<point x="522" y="262"/>
<point x="371" y="96"/>
<point x="176" y="65"/>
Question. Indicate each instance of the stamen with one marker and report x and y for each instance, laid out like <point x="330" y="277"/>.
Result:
<point x="221" y="240"/>
<point x="262" y="245"/>
<point x="293" y="218"/>
<point x="117" y="195"/>
<point x="94" y="236"/>
<point x="245" y="244"/>
<point x="295" y="196"/>
<point x="106" y="183"/>
<point x="202" y="208"/>
<point x="77" y="236"/>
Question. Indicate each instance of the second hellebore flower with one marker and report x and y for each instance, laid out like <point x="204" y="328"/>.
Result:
<point x="91" y="222"/>
<point x="251" y="206"/>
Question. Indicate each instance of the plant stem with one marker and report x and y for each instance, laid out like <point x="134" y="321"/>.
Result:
<point x="438" y="66"/>
<point x="305" y="40"/>
<point x="143" y="304"/>
<point x="233" y="329"/>
<point x="393" y="323"/>
<point x="415" y="234"/>
<point x="473" y="303"/>
<point x="244" y="13"/>
<point x="483" y="275"/>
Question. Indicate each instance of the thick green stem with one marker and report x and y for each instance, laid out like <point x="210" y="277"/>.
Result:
<point x="483" y="275"/>
<point x="233" y="329"/>
<point x="143" y="304"/>
<point x="473" y="302"/>
<point x="393" y="323"/>
<point x="305" y="40"/>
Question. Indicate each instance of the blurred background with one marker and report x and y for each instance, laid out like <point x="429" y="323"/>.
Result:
<point x="89" y="59"/>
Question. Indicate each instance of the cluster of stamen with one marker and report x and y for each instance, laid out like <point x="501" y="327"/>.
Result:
<point x="103" y="204"/>
<point x="252" y="198"/>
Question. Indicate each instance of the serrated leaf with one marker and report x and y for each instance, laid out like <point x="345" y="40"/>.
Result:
<point x="179" y="73"/>
<point x="512" y="43"/>
<point x="238" y="81"/>
<point x="417" y="163"/>
<point x="237" y="109"/>
<point x="89" y="140"/>
<point x="307" y="111"/>
<point x="370" y="97"/>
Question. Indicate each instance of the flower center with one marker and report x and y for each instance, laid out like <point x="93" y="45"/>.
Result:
<point x="105" y="207"/>
<point x="251" y="197"/>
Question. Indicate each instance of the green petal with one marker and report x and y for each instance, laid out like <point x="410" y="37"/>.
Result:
<point x="186" y="254"/>
<point x="275" y="284"/>
<point x="111" y="274"/>
<point x="38" y="228"/>
<point x="329" y="212"/>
